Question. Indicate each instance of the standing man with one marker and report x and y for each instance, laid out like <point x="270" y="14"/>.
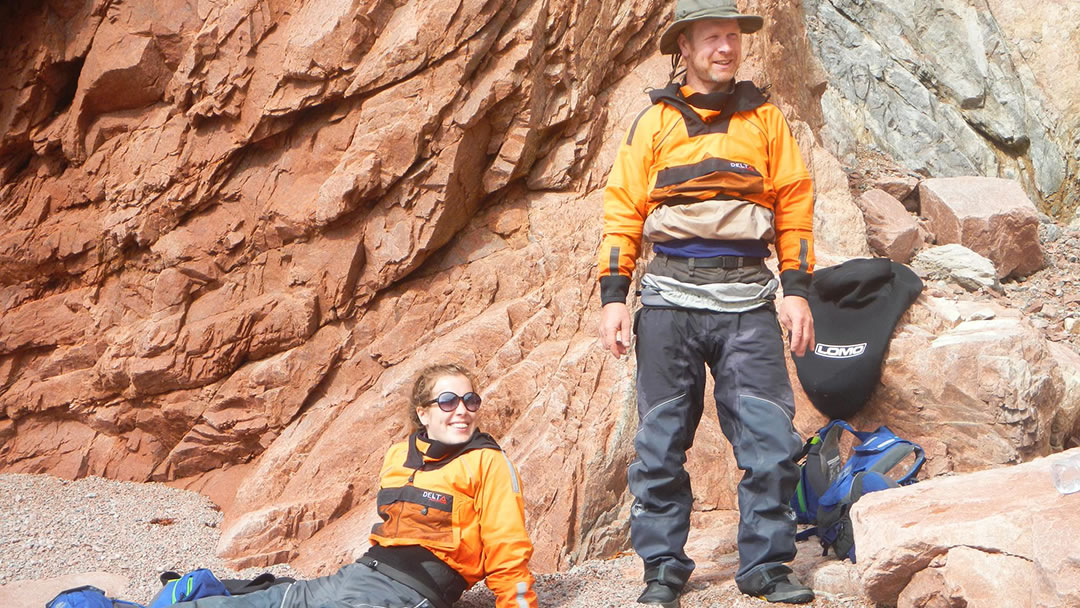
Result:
<point x="711" y="175"/>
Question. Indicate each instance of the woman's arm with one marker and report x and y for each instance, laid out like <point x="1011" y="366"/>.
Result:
<point x="506" y="544"/>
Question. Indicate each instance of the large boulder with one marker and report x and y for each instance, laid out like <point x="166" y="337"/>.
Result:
<point x="992" y="217"/>
<point x="1000" y="537"/>
<point x="977" y="386"/>
<point x="891" y="231"/>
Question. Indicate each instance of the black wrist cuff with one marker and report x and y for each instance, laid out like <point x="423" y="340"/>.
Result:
<point x="796" y="283"/>
<point x="614" y="288"/>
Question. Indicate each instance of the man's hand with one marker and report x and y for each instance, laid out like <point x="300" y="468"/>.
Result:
<point x="795" y="315"/>
<point x="615" y="328"/>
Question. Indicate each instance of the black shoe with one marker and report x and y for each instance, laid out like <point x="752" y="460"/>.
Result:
<point x="778" y="584"/>
<point x="659" y="594"/>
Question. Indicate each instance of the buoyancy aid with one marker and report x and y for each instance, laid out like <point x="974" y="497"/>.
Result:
<point x="463" y="504"/>
<point x="720" y="166"/>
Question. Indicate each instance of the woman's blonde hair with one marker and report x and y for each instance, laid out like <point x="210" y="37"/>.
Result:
<point x="425" y="380"/>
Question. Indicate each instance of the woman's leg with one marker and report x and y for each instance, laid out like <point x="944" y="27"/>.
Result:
<point x="353" y="586"/>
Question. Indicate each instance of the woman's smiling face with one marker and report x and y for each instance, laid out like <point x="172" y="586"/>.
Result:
<point x="449" y="427"/>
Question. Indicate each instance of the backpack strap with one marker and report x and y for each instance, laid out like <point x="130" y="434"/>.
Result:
<point x="828" y="463"/>
<point x="240" y="586"/>
<point x="893" y="450"/>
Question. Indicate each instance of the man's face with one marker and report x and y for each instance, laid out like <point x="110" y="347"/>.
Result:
<point x="712" y="49"/>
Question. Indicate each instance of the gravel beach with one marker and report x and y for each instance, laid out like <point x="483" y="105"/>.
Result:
<point x="53" y="527"/>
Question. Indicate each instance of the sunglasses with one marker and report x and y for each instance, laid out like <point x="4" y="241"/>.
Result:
<point x="448" y="401"/>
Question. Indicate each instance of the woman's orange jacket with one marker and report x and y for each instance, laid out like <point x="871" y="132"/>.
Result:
<point x="722" y="150"/>
<point x="465" y="507"/>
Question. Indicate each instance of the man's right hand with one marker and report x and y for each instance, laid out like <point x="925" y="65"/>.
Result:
<point x="615" y="328"/>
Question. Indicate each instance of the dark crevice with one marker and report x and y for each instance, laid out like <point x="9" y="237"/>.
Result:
<point x="62" y="80"/>
<point x="14" y="161"/>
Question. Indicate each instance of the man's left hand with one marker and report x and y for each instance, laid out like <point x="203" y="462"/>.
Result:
<point x="795" y="315"/>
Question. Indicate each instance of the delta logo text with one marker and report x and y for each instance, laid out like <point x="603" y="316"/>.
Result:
<point x="839" y="351"/>
<point x="435" y="497"/>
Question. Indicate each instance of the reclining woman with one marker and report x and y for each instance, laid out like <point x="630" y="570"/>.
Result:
<point x="452" y="512"/>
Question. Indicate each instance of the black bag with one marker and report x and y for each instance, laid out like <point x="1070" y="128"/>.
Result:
<point x="856" y="306"/>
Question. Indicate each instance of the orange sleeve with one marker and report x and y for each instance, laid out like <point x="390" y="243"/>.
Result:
<point x="625" y="200"/>
<point x="793" y="211"/>
<point x="506" y="543"/>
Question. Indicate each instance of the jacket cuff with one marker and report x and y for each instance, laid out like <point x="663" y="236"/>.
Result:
<point x="614" y="288"/>
<point x="796" y="283"/>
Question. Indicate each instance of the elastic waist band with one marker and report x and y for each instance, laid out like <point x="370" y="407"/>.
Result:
<point x="418" y="568"/>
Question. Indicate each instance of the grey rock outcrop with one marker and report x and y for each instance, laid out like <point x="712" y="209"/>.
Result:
<point x="941" y="86"/>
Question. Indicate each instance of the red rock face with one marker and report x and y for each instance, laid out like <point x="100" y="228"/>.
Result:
<point x="232" y="233"/>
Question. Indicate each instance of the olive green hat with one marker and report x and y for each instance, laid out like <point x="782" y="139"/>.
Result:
<point x="689" y="11"/>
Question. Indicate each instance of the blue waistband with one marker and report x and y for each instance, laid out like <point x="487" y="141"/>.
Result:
<point x="706" y="248"/>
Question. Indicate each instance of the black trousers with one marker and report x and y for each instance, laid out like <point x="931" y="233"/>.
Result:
<point x="754" y="402"/>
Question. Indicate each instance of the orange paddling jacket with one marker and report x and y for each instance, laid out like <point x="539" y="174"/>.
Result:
<point x="463" y="503"/>
<point x="719" y="166"/>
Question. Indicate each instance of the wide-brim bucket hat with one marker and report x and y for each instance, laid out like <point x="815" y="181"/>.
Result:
<point x="689" y="11"/>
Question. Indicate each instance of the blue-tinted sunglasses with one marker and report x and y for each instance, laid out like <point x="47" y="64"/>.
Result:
<point x="448" y="401"/>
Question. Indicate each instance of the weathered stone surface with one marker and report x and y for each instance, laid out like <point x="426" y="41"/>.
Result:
<point x="974" y="393"/>
<point x="992" y="217"/>
<point x="890" y="230"/>
<point x="971" y="577"/>
<point x="999" y="537"/>
<point x="954" y="87"/>
<point x="1050" y="65"/>
<point x="958" y="264"/>
<point x="1065" y="426"/>
<point x="898" y="187"/>
<point x="224" y="273"/>
<point x="838" y="224"/>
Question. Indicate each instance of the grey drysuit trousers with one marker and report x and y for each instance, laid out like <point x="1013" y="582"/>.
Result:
<point x="755" y="405"/>
<point x="353" y="586"/>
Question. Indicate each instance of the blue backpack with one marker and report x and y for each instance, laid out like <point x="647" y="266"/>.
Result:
<point x="87" y="596"/>
<point x="827" y="488"/>
<point x="191" y="586"/>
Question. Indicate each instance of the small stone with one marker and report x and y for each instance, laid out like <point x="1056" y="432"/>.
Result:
<point x="1049" y="233"/>
<point x="234" y="239"/>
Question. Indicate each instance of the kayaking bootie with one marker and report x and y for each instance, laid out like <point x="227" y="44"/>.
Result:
<point x="659" y="594"/>
<point x="777" y="583"/>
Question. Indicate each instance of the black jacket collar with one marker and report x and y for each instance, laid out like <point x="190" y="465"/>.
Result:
<point x="431" y="454"/>
<point x="745" y="95"/>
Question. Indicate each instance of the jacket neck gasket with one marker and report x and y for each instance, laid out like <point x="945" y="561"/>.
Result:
<point x="744" y="96"/>
<point x="439" y="454"/>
